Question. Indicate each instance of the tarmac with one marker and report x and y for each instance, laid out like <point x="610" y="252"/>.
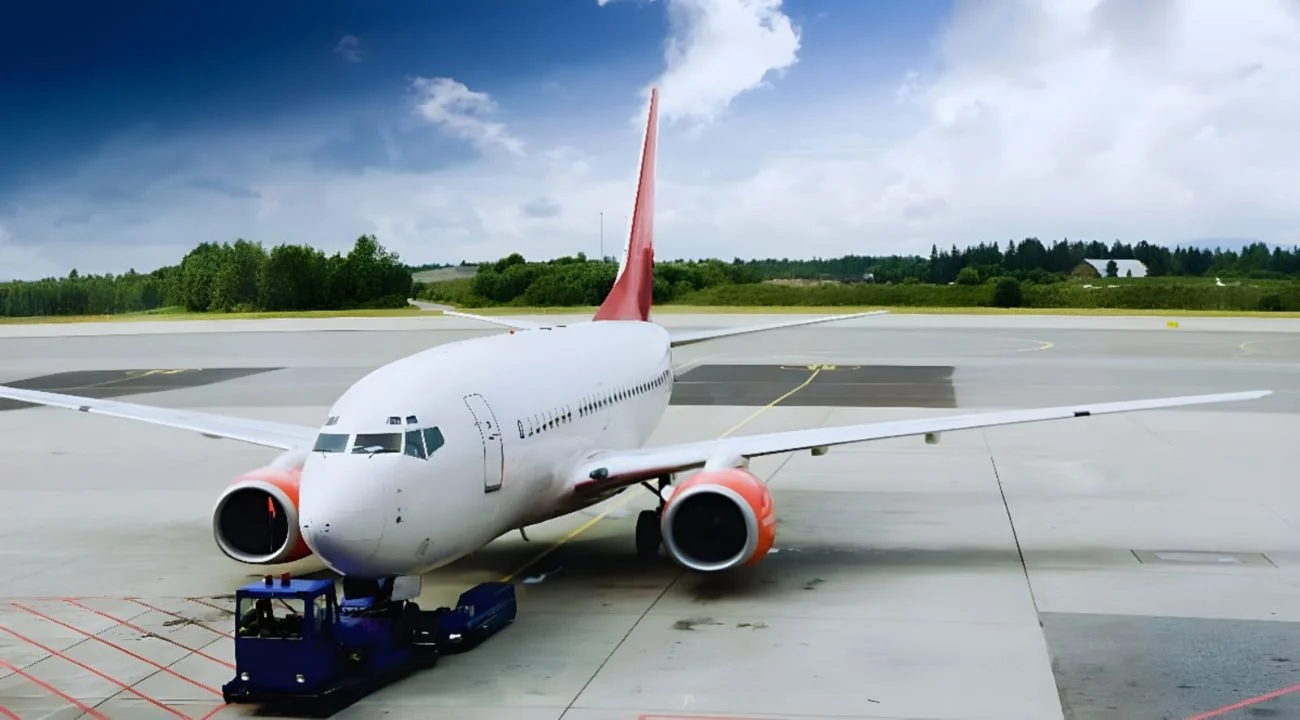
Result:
<point x="1135" y="566"/>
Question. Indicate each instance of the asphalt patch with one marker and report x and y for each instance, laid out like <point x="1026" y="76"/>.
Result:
<point x="1113" y="666"/>
<point x="920" y="386"/>
<point x="100" y="384"/>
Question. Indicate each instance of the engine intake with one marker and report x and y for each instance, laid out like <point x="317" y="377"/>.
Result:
<point x="255" y="520"/>
<point x="718" y="520"/>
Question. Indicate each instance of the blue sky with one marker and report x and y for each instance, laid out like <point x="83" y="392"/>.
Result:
<point x="468" y="130"/>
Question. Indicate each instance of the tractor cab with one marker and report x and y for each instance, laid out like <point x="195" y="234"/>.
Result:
<point x="290" y="611"/>
<point x="285" y="633"/>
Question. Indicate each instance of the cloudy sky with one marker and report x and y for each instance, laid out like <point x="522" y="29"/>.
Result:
<point x="134" y="129"/>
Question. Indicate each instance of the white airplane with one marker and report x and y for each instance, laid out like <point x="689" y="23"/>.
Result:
<point x="433" y="456"/>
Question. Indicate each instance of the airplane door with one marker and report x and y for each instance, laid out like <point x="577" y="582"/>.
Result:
<point x="490" y="431"/>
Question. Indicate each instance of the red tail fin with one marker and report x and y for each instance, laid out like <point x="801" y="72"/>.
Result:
<point x="633" y="290"/>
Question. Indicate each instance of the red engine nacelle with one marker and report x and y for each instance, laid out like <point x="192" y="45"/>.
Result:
<point x="719" y="519"/>
<point x="256" y="518"/>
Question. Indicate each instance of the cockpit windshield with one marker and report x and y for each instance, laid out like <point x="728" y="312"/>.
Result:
<point x="416" y="442"/>
<point x="372" y="443"/>
<point x="331" y="442"/>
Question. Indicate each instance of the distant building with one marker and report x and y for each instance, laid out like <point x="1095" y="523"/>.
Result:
<point x="1097" y="268"/>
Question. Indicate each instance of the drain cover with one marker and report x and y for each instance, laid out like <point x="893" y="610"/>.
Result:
<point x="1201" y="557"/>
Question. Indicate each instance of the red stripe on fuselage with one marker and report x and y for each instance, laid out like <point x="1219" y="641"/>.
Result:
<point x="633" y="291"/>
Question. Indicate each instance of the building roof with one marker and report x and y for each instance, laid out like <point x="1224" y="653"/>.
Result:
<point x="1123" y="266"/>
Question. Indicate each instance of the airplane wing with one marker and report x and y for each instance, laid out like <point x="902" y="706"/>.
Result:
<point x="507" y="322"/>
<point x="694" y="336"/>
<point x="284" y="436"/>
<point x="682" y="337"/>
<point x="610" y="470"/>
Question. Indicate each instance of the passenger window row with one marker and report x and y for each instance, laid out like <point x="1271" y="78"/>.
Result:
<point x="589" y="404"/>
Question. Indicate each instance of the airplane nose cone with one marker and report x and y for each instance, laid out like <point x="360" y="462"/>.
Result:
<point x="344" y="540"/>
<point x="342" y="522"/>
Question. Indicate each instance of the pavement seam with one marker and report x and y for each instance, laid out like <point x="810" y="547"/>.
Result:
<point x="1015" y="536"/>
<point x="620" y="642"/>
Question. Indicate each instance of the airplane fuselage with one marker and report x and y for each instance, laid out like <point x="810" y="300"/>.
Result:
<point x="429" y="458"/>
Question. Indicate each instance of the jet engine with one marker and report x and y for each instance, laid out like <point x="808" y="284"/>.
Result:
<point x="255" y="520"/>
<point x="719" y="519"/>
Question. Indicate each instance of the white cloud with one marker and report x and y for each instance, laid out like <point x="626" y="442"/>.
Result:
<point x="460" y="112"/>
<point x="1166" y="121"/>
<point x="719" y="49"/>
<point x="1161" y="120"/>
<point x="19" y="261"/>
<point x="349" y="47"/>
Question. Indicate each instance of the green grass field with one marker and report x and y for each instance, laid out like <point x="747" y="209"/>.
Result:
<point x="445" y="274"/>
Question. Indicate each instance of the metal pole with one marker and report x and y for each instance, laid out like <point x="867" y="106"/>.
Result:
<point x="602" y="236"/>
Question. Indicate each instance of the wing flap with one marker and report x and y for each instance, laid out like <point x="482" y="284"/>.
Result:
<point x="694" y="336"/>
<point x="609" y="470"/>
<point x="284" y="436"/>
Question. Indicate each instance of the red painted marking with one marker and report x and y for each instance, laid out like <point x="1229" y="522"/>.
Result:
<point x="119" y="648"/>
<point x="214" y="711"/>
<point x="7" y="713"/>
<point x="150" y="633"/>
<point x="119" y="683"/>
<point x="1249" y="701"/>
<point x="88" y="710"/>
<point x="214" y="607"/>
<point x="155" y="608"/>
<point x="633" y="292"/>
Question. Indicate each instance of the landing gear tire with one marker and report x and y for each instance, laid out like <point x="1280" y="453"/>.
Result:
<point x="648" y="537"/>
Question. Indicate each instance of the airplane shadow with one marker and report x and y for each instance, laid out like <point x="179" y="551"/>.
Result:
<point x="610" y="563"/>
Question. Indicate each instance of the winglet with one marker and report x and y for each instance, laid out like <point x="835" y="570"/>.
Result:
<point x="633" y="290"/>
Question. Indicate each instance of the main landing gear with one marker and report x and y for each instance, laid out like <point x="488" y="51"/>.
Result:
<point x="649" y="536"/>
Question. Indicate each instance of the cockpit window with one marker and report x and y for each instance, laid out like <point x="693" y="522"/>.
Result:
<point x="432" y="439"/>
<point x="370" y="443"/>
<point x="330" y="442"/>
<point x="415" y="444"/>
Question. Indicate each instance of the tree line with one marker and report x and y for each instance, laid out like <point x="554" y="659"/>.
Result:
<point x="1032" y="259"/>
<point x="1024" y="274"/>
<point x="242" y="276"/>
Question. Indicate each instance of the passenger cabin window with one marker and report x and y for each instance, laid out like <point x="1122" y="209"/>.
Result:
<point x="330" y="442"/>
<point x="371" y="443"/>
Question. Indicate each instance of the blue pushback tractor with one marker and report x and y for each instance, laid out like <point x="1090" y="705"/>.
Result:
<point x="298" y="646"/>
